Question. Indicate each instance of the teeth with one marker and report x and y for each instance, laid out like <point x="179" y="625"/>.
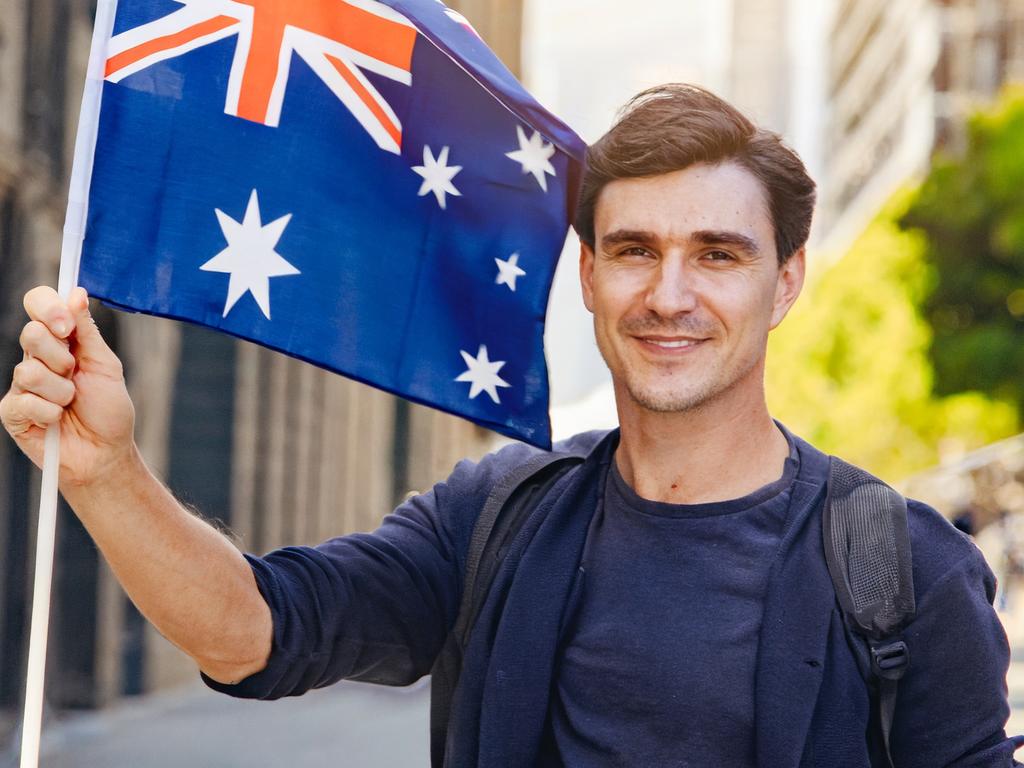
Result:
<point x="673" y="344"/>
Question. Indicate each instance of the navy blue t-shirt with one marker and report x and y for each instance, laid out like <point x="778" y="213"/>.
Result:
<point x="658" y="667"/>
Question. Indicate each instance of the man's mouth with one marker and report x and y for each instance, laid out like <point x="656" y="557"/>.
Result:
<point x="675" y="343"/>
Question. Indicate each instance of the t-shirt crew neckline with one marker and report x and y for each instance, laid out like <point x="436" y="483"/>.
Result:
<point x="637" y="503"/>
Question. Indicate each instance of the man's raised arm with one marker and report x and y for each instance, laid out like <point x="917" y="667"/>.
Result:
<point x="184" y="576"/>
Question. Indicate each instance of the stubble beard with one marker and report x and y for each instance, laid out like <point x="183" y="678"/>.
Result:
<point x="672" y="397"/>
<point x="679" y="391"/>
<point x="667" y="391"/>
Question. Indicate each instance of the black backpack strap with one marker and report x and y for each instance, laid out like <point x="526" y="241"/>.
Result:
<point x="508" y="505"/>
<point x="867" y="548"/>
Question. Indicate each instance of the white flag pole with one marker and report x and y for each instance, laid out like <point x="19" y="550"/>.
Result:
<point x="70" y="254"/>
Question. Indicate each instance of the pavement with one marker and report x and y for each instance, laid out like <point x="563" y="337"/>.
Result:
<point x="348" y="724"/>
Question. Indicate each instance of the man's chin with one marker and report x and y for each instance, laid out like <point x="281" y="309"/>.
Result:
<point x="668" y="401"/>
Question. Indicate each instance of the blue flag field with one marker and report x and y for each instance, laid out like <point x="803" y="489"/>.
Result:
<point x="358" y="184"/>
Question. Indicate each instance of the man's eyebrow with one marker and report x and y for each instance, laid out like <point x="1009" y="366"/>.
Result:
<point x="620" y="236"/>
<point x="724" y="237"/>
<point x="704" y="236"/>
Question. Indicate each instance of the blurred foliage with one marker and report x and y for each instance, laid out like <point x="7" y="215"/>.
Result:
<point x="970" y="210"/>
<point x="849" y="369"/>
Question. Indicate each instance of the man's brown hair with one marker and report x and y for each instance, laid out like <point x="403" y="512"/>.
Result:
<point x="671" y="127"/>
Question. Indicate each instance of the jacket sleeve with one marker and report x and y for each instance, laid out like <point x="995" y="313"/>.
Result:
<point x="952" y="704"/>
<point x="374" y="607"/>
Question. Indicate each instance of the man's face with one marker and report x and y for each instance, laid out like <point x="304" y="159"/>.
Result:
<point x="684" y="285"/>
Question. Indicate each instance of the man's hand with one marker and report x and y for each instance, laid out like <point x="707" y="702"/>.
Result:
<point x="183" y="575"/>
<point x="69" y="376"/>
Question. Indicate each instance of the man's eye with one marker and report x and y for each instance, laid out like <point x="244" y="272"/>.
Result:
<point x="719" y="256"/>
<point x="636" y="250"/>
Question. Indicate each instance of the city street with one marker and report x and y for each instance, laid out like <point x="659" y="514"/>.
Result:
<point x="348" y="724"/>
<point x="301" y="227"/>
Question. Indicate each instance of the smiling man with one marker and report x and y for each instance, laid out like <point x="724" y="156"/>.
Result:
<point x="663" y="601"/>
<point x="683" y="277"/>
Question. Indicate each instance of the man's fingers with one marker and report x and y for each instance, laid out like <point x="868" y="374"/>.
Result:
<point x="45" y="306"/>
<point x="32" y="376"/>
<point x="71" y="321"/>
<point x="23" y="410"/>
<point x="88" y="343"/>
<point x="39" y="342"/>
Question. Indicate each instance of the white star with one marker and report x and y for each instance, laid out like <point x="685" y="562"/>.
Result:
<point x="250" y="258"/>
<point x="437" y="175"/>
<point x="482" y="374"/>
<point x="508" y="271"/>
<point x="534" y="154"/>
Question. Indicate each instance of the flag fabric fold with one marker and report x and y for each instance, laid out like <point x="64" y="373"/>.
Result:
<point x="355" y="183"/>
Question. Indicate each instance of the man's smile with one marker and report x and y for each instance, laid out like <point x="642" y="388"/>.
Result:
<point x="670" y="345"/>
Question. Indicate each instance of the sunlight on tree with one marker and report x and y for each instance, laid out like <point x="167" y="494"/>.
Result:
<point x="970" y="210"/>
<point x="849" y="368"/>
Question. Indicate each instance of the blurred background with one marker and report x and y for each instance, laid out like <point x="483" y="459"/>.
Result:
<point x="905" y="354"/>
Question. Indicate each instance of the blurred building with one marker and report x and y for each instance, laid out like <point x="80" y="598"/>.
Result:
<point x="278" y="450"/>
<point x="880" y="123"/>
<point x="760" y="72"/>
<point x="902" y="77"/>
<point x="778" y="69"/>
<point x="982" y="48"/>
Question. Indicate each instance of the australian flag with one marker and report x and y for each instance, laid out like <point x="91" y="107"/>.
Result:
<point x="359" y="184"/>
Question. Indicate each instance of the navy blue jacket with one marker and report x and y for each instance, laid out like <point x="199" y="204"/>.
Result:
<point x="378" y="607"/>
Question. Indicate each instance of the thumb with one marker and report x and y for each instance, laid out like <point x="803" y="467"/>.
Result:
<point x="88" y="345"/>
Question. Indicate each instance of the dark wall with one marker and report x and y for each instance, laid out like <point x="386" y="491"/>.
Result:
<point x="15" y="470"/>
<point x="46" y="85"/>
<point x="199" y="468"/>
<point x="43" y="138"/>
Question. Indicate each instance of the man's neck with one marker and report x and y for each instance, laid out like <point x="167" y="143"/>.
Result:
<point x="718" y="452"/>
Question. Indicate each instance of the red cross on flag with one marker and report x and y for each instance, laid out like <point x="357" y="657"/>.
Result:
<point x="336" y="38"/>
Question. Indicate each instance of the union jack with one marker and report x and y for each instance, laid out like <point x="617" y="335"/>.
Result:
<point x="336" y="38"/>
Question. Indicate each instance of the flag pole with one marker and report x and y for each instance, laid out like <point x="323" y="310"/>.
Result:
<point x="70" y="254"/>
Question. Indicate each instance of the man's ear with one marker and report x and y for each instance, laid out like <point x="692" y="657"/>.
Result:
<point x="587" y="275"/>
<point x="789" y="284"/>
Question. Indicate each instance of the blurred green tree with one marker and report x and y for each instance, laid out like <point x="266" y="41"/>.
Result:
<point x="970" y="210"/>
<point x="849" y="368"/>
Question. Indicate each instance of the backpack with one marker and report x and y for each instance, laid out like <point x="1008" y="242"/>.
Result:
<point x="867" y="549"/>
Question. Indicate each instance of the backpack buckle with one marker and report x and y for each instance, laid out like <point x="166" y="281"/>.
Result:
<point x="890" y="661"/>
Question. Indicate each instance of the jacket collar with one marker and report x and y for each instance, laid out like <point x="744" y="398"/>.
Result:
<point x="795" y="625"/>
<point x="527" y="606"/>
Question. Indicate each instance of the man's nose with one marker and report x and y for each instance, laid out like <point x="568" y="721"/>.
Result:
<point x="673" y="289"/>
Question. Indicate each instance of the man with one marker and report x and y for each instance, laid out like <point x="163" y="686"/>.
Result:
<point x="667" y="602"/>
